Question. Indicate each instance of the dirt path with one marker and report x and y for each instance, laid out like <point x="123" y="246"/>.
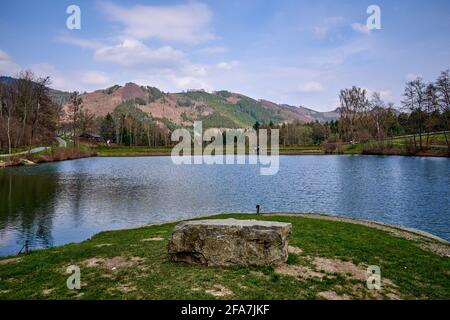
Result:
<point x="34" y="150"/>
<point x="61" y="142"/>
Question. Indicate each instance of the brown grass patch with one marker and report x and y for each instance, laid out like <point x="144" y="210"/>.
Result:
<point x="119" y="262"/>
<point x="258" y="274"/>
<point x="440" y="249"/>
<point x="153" y="239"/>
<point x="8" y="261"/>
<point x="331" y="295"/>
<point x="298" y="271"/>
<point x="101" y="245"/>
<point x="294" y="250"/>
<point x="341" y="267"/>
<point x="219" y="290"/>
<point x="46" y="292"/>
<point x="125" y="288"/>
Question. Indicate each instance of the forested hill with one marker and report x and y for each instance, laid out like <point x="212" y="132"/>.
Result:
<point x="217" y="109"/>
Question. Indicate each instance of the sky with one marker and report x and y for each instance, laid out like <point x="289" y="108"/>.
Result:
<point x="295" y="52"/>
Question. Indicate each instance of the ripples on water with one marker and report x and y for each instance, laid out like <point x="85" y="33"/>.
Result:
<point x="57" y="203"/>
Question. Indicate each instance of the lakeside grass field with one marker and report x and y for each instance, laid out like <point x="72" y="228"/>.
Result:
<point x="399" y="146"/>
<point x="392" y="146"/>
<point x="166" y="151"/>
<point x="328" y="260"/>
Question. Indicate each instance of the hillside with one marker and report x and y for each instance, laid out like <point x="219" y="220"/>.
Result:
<point x="218" y="109"/>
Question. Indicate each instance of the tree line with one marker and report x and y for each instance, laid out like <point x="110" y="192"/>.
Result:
<point x="127" y="125"/>
<point x="130" y="126"/>
<point x="28" y="116"/>
<point x="425" y="108"/>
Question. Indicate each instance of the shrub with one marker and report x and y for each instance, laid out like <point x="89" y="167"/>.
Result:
<point x="332" y="147"/>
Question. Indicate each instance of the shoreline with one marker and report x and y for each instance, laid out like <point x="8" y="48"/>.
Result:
<point x="396" y="230"/>
<point x="24" y="161"/>
<point x="281" y="153"/>
<point x="61" y="154"/>
<point x="371" y="223"/>
<point x="328" y="259"/>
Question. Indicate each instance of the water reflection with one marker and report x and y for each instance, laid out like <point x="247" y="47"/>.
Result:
<point x="26" y="206"/>
<point x="63" y="202"/>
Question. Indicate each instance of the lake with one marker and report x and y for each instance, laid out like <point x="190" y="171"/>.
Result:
<point x="57" y="203"/>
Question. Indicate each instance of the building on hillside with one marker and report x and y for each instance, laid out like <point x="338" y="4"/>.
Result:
<point x="91" y="137"/>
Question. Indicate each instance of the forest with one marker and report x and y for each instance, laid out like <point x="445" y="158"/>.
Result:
<point x="29" y="116"/>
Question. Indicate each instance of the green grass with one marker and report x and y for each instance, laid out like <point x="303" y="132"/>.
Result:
<point x="136" y="151"/>
<point x="352" y="148"/>
<point x="21" y="149"/>
<point x="414" y="272"/>
<point x="301" y="150"/>
<point x="398" y="146"/>
<point x="131" y="151"/>
<point x="434" y="138"/>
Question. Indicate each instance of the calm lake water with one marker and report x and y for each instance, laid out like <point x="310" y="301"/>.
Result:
<point x="57" y="203"/>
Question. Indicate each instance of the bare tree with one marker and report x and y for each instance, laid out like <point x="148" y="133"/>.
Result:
<point x="25" y="96"/>
<point x="377" y="113"/>
<point x="39" y="96"/>
<point x="353" y="113"/>
<point x="86" y="121"/>
<point x="431" y="108"/>
<point x="415" y="101"/>
<point x="443" y="93"/>
<point x="6" y="110"/>
<point x="75" y="108"/>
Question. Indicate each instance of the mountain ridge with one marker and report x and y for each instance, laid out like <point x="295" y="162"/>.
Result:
<point x="223" y="108"/>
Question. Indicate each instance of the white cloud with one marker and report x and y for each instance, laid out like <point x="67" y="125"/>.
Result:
<point x="338" y="55"/>
<point x="185" y="83"/>
<point x="321" y="32"/>
<point x="4" y="56"/>
<point x="95" y="78"/>
<point x="78" y="80"/>
<point x="80" y="42"/>
<point x="187" y="23"/>
<point x="334" y="20"/>
<point x="228" y="65"/>
<point x="311" y="86"/>
<point x="7" y="66"/>
<point x="327" y="26"/>
<point x="59" y="80"/>
<point x="411" y="76"/>
<point x="387" y="95"/>
<point x="212" y="50"/>
<point x="295" y="72"/>
<point x="132" y="52"/>
<point x="361" y="28"/>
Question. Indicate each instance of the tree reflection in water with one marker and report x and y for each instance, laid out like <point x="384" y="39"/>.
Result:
<point x="26" y="206"/>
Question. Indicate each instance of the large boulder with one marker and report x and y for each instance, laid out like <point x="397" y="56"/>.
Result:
<point x="230" y="242"/>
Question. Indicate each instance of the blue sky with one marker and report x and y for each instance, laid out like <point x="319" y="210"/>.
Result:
<point x="296" y="52"/>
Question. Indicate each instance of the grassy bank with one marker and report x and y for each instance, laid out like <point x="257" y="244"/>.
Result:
<point x="135" y="151"/>
<point x="327" y="260"/>
<point x="395" y="146"/>
<point x="51" y="155"/>
<point x="138" y="151"/>
<point x="433" y="145"/>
